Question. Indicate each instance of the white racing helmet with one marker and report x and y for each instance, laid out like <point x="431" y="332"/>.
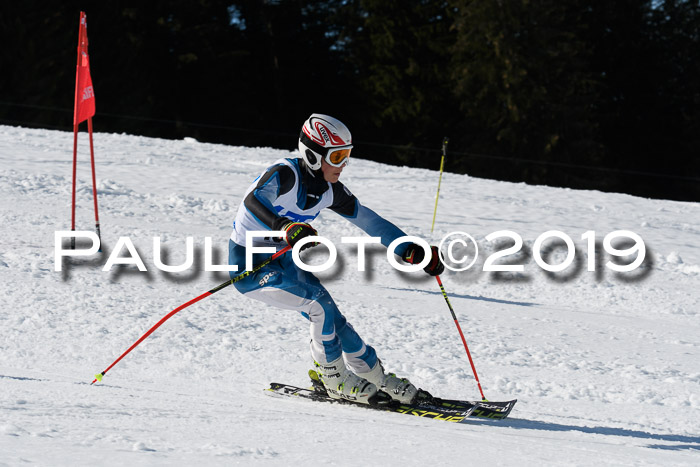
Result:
<point x="324" y="137"/>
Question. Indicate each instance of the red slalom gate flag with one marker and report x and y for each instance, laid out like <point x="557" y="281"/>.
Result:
<point x="84" y="94"/>
<point x="84" y="109"/>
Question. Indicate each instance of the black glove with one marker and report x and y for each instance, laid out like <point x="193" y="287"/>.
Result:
<point x="298" y="230"/>
<point x="414" y="254"/>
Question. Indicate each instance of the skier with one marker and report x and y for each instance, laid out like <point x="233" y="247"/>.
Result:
<point x="286" y="197"/>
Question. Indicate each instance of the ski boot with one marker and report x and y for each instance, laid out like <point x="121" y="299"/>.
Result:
<point x="341" y="383"/>
<point x="400" y="389"/>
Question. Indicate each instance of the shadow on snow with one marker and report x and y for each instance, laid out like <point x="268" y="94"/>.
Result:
<point x="468" y="297"/>
<point x="690" y="442"/>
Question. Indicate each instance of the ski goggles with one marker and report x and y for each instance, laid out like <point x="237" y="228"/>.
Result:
<point x="337" y="157"/>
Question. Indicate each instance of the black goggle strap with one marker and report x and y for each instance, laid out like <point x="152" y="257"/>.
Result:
<point x="314" y="146"/>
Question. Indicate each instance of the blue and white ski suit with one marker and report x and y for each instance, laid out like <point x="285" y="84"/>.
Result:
<point x="287" y="191"/>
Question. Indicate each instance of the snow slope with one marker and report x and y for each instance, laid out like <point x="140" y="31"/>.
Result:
<point x="605" y="365"/>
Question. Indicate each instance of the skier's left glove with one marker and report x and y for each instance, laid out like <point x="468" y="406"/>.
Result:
<point x="414" y="254"/>
<point x="298" y="230"/>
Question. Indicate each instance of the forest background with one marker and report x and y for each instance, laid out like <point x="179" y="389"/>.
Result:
<point x="593" y="94"/>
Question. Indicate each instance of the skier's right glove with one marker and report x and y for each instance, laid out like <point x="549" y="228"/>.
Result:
<point x="414" y="254"/>
<point x="295" y="231"/>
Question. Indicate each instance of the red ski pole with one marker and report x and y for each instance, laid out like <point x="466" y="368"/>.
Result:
<point x="464" y="341"/>
<point x="243" y="275"/>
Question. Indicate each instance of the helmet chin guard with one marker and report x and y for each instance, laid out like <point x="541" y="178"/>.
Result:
<point x="322" y="135"/>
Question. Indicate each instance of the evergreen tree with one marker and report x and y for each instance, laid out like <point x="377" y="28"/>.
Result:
<point x="399" y="53"/>
<point x="521" y="74"/>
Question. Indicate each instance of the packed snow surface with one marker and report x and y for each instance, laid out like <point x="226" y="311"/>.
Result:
<point x="605" y="365"/>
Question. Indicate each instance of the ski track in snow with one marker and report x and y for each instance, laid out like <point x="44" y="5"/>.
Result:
<point x="605" y="365"/>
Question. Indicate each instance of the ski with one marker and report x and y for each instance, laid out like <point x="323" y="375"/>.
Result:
<point x="480" y="409"/>
<point x="425" y="410"/>
<point x="450" y="410"/>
